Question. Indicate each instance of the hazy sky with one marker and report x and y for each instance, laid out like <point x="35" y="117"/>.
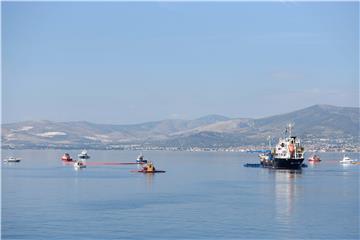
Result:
<point x="136" y="62"/>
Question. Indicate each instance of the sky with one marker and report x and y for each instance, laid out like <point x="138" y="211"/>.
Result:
<point x="119" y="62"/>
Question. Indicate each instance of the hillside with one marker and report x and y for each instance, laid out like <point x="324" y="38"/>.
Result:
<point x="315" y="122"/>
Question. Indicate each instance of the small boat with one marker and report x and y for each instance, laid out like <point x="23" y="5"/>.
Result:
<point x="314" y="158"/>
<point x="150" y="168"/>
<point x="66" y="157"/>
<point x="265" y="158"/>
<point x="346" y="160"/>
<point x="79" y="164"/>
<point x="83" y="155"/>
<point x="12" y="159"/>
<point x="140" y="159"/>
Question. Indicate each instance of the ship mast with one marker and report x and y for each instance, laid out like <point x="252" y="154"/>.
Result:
<point x="290" y="126"/>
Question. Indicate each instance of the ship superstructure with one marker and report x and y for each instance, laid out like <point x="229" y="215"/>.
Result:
<point x="287" y="154"/>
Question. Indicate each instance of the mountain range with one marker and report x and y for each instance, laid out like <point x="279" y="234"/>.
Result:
<point x="312" y="123"/>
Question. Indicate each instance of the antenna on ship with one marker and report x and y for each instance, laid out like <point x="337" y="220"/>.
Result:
<point x="290" y="127"/>
<point x="269" y="139"/>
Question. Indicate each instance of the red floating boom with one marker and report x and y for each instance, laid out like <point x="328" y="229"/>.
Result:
<point x="109" y="163"/>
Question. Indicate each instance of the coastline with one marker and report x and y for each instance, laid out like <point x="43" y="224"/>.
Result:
<point x="179" y="149"/>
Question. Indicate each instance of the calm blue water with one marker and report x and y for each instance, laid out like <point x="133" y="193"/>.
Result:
<point x="201" y="196"/>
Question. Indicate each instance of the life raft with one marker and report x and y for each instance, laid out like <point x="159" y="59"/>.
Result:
<point x="291" y="148"/>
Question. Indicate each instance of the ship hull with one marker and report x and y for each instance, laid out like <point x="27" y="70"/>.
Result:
<point x="284" y="163"/>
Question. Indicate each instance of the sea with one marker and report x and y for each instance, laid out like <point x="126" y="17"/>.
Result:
<point x="202" y="195"/>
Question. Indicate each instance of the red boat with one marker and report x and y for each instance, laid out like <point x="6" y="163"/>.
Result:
<point x="66" y="157"/>
<point x="314" y="158"/>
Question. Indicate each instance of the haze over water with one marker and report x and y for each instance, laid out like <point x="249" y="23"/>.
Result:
<point x="202" y="195"/>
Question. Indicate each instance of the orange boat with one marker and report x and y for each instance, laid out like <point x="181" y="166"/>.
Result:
<point x="150" y="168"/>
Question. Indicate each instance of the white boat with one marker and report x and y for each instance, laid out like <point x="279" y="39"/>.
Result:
<point x="83" y="155"/>
<point x="141" y="159"/>
<point x="79" y="164"/>
<point x="12" y="159"/>
<point x="346" y="160"/>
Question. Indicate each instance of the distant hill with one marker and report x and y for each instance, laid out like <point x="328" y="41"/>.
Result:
<point x="317" y="118"/>
<point x="315" y="122"/>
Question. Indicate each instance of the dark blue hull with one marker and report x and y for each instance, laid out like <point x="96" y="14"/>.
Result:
<point x="281" y="163"/>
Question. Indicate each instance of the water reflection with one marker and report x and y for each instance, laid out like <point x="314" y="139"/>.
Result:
<point x="286" y="194"/>
<point x="9" y="163"/>
<point x="67" y="163"/>
<point x="313" y="164"/>
<point x="347" y="165"/>
<point x="149" y="179"/>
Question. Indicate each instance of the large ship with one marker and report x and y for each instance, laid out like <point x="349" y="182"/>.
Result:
<point x="287" y="154"/>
